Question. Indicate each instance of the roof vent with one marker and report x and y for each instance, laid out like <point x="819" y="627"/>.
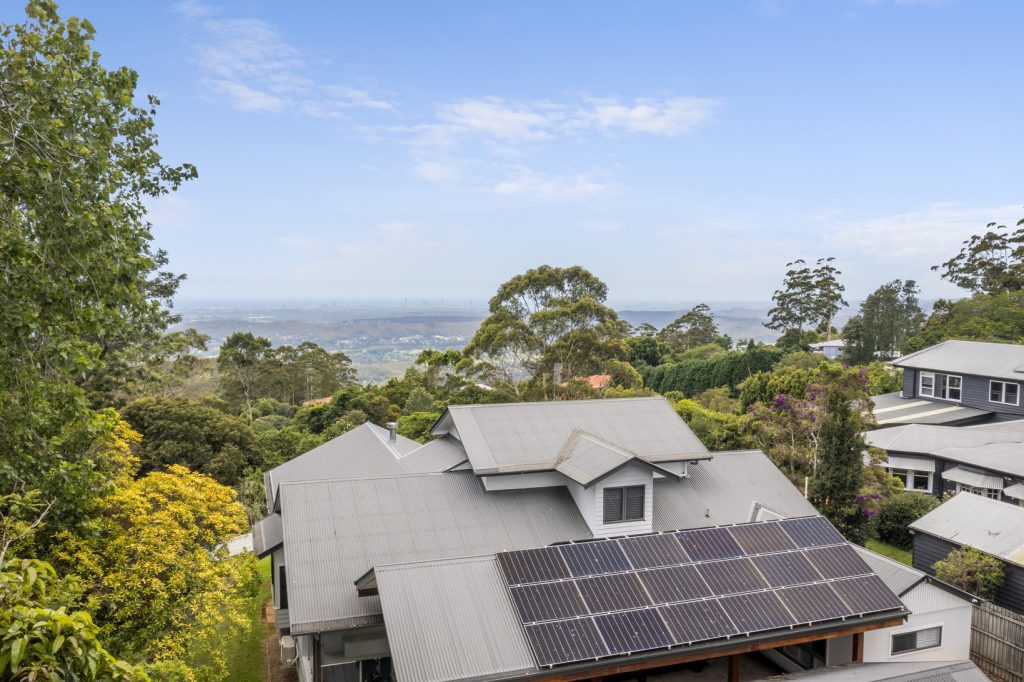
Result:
<point x="393" y="432"/>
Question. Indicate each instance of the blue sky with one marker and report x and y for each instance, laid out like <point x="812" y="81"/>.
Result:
<point x="680" y="150"/>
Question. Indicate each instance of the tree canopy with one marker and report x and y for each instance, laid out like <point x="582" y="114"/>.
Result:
<point x="888" y="317"/>
<point x="809" y="296"/>
<point x="989" y="263"/>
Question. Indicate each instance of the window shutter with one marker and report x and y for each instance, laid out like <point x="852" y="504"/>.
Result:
<point x="635" y="503"/>
<point x="283" y="587"/>
<point x="904" y="642"/>
<point x="612" y="505"/>
<point x="929" y="638"/>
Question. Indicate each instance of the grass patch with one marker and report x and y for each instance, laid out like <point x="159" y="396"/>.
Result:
<point x="901" y="555"/>
<point x="246" y="656"/>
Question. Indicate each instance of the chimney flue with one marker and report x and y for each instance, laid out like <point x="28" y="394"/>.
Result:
<point x="393" y="432"/>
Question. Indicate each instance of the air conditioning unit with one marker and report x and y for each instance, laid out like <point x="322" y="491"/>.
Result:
<point x="288" y="653"/>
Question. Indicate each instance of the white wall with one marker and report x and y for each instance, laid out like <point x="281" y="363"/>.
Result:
<point x="304" y="660"/>
<point x="930" y="606"/>
<point x="276" y="561"/>
<point x="591" y="501"/>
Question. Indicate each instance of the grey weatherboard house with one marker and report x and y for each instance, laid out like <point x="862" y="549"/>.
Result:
<point x="394" y="560"/>
<point x="957" y="383"/>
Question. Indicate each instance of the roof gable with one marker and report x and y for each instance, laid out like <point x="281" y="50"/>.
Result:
<point x="1000" y="360"/>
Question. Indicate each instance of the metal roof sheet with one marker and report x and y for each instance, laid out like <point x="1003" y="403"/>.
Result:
<point x="586" y="458"/>
<point x="930" y="438"/>
<point x="992" y="526"/>
<point x="891" y="671"/>
<point x="1005" y="458"/>
<point x="516" y="437"/>
<point x="976" y="479"/>
<point x="363" y="452"/>
<point x="891" y="408"/>
<point x="726" y="490"/>
<point x="451" y="620"/>
<point x="336" y="530"/>
<point x="1016" y="491"/>
<point x="897" y="576"/>
<point x="999" y="360"/>
<point x="267" y="535"/>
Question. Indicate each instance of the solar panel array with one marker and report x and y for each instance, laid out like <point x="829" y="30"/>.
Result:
<point x="602" y="598"/>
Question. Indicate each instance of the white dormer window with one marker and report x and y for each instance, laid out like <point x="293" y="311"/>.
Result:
<point x="1004" y="392"/>
<point x="624" y="504"/>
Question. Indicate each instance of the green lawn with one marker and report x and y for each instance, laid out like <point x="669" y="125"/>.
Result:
<point x="245" y="653"/>
<point x="901" y="555"/>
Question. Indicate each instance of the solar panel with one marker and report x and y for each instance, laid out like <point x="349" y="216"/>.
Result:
<point x="651" y="551"/>
<point x="548" y="601"/>
<point x="782" y="570"/>
<point x="709" y="543"/>
<point x="594" y="558"/>
<point x="565" y="641"/>
<point x="630" y="631"/>
<point x="533" y="565"/>
<point x="731" y="576"/>
<point x="697" y="621"/>
<point x="613" y="592"/>
<point x="674" y="583"/>
<point x="837" y="562"/>
<point x="756" y="611"/>
<point x="759" y="538"/>
<point x="866" y="595"/>
<point x="813" y="531"/>
<point x="813" y="603"/>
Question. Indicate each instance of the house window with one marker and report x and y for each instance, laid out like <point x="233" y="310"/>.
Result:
<point x="1004" y="392"/>
<point x="624" y="504"/>
<point x="947" y="387"/>
<point x="992" y="493"/>
<point x="913" y="480"/>
<point x="282" y="587"/>
<point x="905" y="642"/>
<point x="927" y="384"/>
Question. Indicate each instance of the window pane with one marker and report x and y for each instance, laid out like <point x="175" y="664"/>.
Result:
<point x="929" y="638"/>
<point x="635" y="503"/>
<point x="922" y="481"/>
<point x="612" y="505"/>
<point x="904" y="642"/>
<point x="995" y="392"/>
<point x="1010" y="394"/>
<point x="900" y="474"/>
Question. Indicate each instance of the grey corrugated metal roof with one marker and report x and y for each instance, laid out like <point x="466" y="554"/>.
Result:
<point x="930" y="438"/>
<point x="898" y="577"/>
<point x="451" y="620"/>
<point x="1000" y="360"/>
<point x="516" y="437"/>
<point x="891" y="408"/>
<point x="1006" y="458"/>
<point x="724" y="491"/>
<point x="586" y="458"/>
<point x="890" y="671"/>
<point x="1016" y="491"/>
<point x="992" y="526"/>
<point x="267" y="535"/>
<point x="365" y="451"/>
<point x="976" y="479"/>
<point x="337" y="530"/>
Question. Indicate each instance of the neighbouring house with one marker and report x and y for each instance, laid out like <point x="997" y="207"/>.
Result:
<point x="986" y="459"/>
<point x="566" y="540"/>
<point x="985" y="524"/>
<point x="956" y="383"/>
<point x="832" y="350"/>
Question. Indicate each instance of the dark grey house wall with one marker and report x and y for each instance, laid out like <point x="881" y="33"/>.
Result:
<point x="929" y="549"/>
<point x="909" y="383"/>
<point x="974" y="393"/>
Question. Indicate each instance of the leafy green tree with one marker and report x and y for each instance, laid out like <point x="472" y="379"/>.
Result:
<point x="989" y="263"/>
<point x="982" y="317"/>
<point x="546" y="317"/>
<point x="692" y="329"/>
<point x="888" y="317"/>
<point x="724" y="368"/>
<point x="644" y="350"/>
<point x="839" y="473"/>
<point x="419" y="401"/>
<point x="307" y="371"/>
<point x="972" y="571"/>
<point x="78" y="162"/>
<point x="417" y="425"/>
<point x="897" y="513"/>
<point x="192" y="434"/>
<point x="716" y="430"/>
<point x="809" y="296"/>
<point x="244" y="364"/>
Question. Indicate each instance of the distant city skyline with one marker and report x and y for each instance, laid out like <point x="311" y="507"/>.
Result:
<point x="679" y="151"/>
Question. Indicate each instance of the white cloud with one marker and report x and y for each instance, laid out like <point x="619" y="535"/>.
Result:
<point x="927" y="235"/>
<point x="667" y="118"/>
<point x="531" y="184"/>
<point x="491" y="116"/>
<point x="255" y="68"/>
<point x="436" y="171"/>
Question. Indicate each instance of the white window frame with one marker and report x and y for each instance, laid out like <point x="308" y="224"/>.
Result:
<point x="1002" y="392"/>
<point x="910" y="473"/>
<point x="920" y="384"/>
<point x="984" y="492"/>
<point x="915" y="630"/>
